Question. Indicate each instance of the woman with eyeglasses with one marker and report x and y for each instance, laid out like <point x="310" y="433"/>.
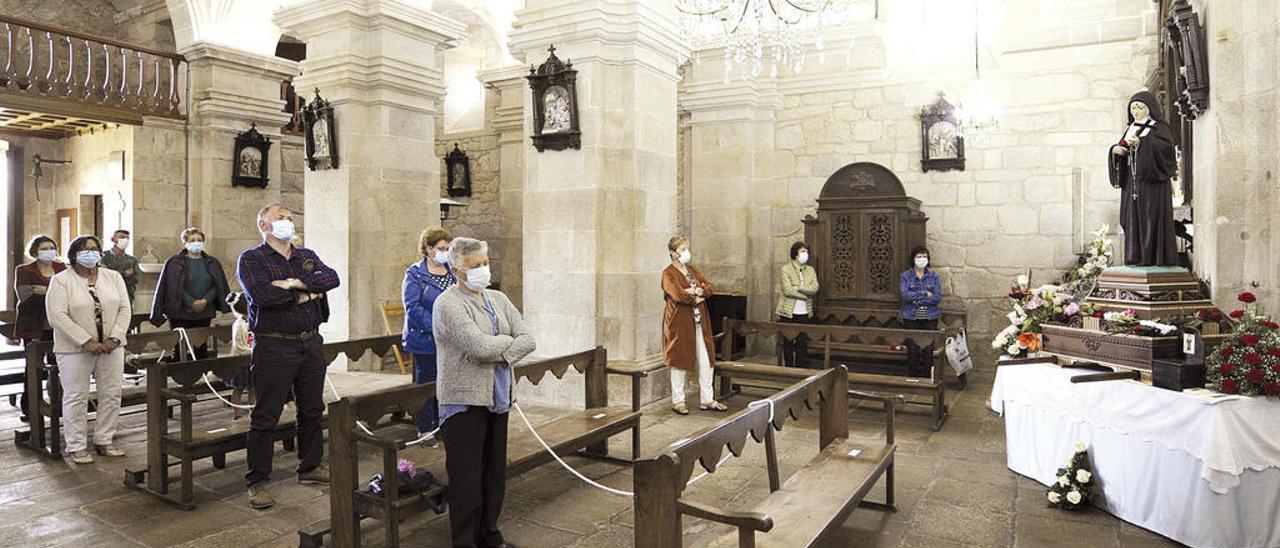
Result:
<point x="89" y="310"/>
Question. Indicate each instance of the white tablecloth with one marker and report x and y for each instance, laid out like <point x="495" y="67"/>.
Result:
<point x="1203" y="474"/>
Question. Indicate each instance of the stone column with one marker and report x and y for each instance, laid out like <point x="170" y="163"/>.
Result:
<point x="732" y="182"/>
<point x="230" y="90"/>
<point x="597" y="220"/>
<point x="375" y="61"/>
<point x="510" y="88"/>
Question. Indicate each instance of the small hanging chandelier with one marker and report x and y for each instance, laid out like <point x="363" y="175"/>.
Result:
<point x="748" y="29"/>
<point x="978" y="114"/>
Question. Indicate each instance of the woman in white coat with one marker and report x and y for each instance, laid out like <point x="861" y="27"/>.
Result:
<point x="89" y="311"/>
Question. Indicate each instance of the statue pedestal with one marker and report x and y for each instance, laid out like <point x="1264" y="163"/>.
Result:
<point x="1149" y="291"/>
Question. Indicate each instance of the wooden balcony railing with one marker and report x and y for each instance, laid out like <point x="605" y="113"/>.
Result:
<point x="85" y="74"/>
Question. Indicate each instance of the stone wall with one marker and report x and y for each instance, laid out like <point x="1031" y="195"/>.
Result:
<point x="1027" y="198"/>
<point x="1237" y="153"/>
<point x="482" y="217"/>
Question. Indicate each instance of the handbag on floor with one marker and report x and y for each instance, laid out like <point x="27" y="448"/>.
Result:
<point x="958" y="353"/>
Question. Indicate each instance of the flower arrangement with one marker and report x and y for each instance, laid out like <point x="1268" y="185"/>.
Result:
<point x="1248" y="360"/>
<point x="1080" y="279"/>
<point x="1074" y="486"/>
<point x="1032" y="308"/>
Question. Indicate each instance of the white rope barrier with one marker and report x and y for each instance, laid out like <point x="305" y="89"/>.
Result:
<point x="564" y="464"/>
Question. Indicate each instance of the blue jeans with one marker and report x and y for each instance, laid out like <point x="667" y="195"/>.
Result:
<point x="424" y="371"/>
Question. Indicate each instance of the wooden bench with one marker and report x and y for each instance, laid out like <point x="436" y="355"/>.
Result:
<point x="930" y="392"/>
<point x="883" y="360"/>
<point x="212" y="440"/>
<point x="586" y="432"/>
<point x="44" y="407"/>
<point x="817" y="497"/>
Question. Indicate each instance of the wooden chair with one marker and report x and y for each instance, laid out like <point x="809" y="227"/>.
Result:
<point x="393" y="320"/>
<point x="817" y="497"/>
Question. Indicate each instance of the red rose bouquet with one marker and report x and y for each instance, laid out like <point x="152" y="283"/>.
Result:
<point x="1248" y="361"/>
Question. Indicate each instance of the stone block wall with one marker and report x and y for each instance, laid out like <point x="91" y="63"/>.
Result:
<point x="482" y="217"/>
<point x="1237" y="153"/>
<point x="1029" y="195"/>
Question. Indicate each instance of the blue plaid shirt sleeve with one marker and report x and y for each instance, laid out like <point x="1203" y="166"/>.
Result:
<point x="256" y="274"/>
<point x="322" y="278"/>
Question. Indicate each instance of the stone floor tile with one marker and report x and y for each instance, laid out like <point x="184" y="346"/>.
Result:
<point x="962" y="524"/>
<point x="1036" y="532"/>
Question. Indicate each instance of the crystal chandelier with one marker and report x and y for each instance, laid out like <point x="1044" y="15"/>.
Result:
<point x="978" y="114"/>
<point x="748" y="29"/>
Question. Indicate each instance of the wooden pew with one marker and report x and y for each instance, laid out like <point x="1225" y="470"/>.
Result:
<point x="817" y="497"/>
<point x="733" y="374"/>
<point x="587" y="432"/>
<point x="215" y="440"/>
<point x="44" y="407"/>
<point x="878" y="357"/>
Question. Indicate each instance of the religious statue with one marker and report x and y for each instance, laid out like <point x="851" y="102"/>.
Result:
<point x="556" y="113"/>
<point x="1141" y="166"/>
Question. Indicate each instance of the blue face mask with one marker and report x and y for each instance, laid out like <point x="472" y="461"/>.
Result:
<point x="89" y="258"/>
<point x="442" y="257"/>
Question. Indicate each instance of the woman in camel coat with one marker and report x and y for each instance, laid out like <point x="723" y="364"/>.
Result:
<point x="687" y="341"/>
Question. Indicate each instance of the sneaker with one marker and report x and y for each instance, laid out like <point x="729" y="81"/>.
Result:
<point x="81" y="457"/>
<point x="260" y="499"/>
<point x="317" y="476"/>
<point x="108" y="450"/>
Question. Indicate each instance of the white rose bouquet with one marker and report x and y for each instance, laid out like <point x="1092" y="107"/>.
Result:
<point x="1074" y="485"/>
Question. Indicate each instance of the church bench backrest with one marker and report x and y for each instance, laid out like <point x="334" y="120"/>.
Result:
<point x="826" y="335"/>
<point x="344" y="433"/>
<point x="660" y="481"/>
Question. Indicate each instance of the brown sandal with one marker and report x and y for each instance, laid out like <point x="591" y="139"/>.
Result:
<point x="713" y="406"/>
<point x="680" y="409"/>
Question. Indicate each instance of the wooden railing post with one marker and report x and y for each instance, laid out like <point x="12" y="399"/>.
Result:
<point x="657" y="519"/>
<point x="344" y="469"/>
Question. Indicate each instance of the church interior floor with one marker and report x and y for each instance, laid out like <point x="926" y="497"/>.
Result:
<point x="953" y="489"/>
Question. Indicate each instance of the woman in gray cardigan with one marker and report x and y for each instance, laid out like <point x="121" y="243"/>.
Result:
<point x="479" y="337"/>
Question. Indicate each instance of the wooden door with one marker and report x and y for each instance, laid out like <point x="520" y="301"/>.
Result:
<point x="68" y="223"/>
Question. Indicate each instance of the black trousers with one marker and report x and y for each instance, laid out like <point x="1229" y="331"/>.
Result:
<point x="919" y="360"/>
<point x="475" y="458"/>
<point x="794" y="351"/>
<point x="281" y="366"/>
<point x="202" y="351"/>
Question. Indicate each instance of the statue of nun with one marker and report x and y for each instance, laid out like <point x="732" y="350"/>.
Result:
<point x="1141" y="166"/>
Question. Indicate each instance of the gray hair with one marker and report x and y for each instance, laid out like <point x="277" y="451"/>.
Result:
<point x="461" y="247"/>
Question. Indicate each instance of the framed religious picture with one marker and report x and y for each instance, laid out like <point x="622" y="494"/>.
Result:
<point x="555" y="104"/>
<point x="251" y="151"/>
<point x="322" y="136"/>
<point x="457" y="172"/>
<point x="941" y="145"/>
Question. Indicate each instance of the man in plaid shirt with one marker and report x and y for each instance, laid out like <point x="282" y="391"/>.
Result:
<point x="286" y="287"/>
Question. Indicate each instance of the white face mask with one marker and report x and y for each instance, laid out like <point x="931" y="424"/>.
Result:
<point x="195" y="247"/>
<point x="685" y="257"/>
<point x="922" y="262"/>
<point x="478" y="278"/>
<point x="47" y="255"/>
<point x="122" y="243"/>
<point x="283" y="229"/>
<point x="802" y="257"/>
<point x="89" y="258"/>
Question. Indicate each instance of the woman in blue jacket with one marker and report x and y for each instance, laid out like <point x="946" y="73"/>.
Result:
<point x="921" y="291"/>
<point x="423" y="282"/>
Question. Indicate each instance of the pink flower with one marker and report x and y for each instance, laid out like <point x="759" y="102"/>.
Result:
<point x="406" y="466"/>
<point x="1071" y="309"/>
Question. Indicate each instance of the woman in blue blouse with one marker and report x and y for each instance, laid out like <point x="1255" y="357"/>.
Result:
<point x="423" y="282"/>
<point x="921" y="291"/>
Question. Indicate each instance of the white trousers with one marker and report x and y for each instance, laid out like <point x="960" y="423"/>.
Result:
<point x="74" y="371"/>
<point x="679" y="376"/>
